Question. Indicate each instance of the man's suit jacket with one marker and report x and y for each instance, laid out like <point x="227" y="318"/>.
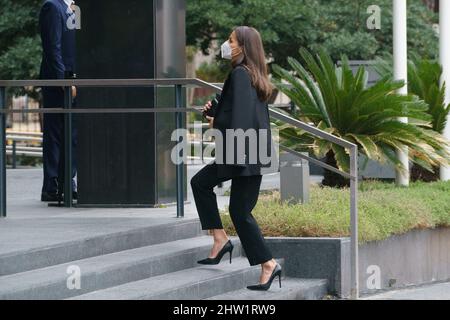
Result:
<point x="58" y="44"/>
<point x="240" y="108"/>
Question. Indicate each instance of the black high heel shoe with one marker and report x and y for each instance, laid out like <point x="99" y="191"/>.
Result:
<point x="228" y="247"/>
<point x="265" y="286"/>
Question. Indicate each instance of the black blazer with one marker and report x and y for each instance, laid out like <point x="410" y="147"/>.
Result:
<point x="58" y="44"/>
<point x="58" y="41"/>
<point x="240" y="108"/>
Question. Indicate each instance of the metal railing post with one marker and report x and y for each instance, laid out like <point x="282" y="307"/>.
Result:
<point x="201" y="144"/>
<point x="68" y="148"/>
<point x="2" y="153"/>
<point x="14" y="154"/>
<point x="180" y="164"/>
<point x="354" y="289"/>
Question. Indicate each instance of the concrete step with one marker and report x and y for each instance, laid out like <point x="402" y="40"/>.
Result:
<point x="195" y="283"/>
<point x="291" y="289"/>
<point x="111" y="270"/>
<point x="25" y="260"/>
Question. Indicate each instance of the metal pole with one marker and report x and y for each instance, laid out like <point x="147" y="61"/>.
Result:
<point x="354" y="291"/>
<point x="401" y="73"/>
<point x="179" y="170"/>
<point x="14" y="154"/>
<point x="201" y="139"/>
<point x="2" y="154"/>
<point x="68" y="148"/>
<point x="444" y="34"/>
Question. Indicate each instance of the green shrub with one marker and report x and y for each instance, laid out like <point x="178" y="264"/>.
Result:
<point x="339" y="102"/>
<point x="384" y="210"/>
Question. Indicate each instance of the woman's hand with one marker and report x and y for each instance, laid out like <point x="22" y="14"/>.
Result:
<point x="206" y="107"/>
<point x="211" y="121"/>
<point x="73" y="89"/>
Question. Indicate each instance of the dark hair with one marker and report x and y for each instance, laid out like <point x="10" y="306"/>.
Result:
<point x="254" y="59"/>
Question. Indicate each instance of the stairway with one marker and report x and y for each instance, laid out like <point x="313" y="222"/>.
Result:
<point x="158" y="262"/>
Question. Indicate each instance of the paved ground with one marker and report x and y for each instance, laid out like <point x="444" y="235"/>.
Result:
<point x="438" y="291"/>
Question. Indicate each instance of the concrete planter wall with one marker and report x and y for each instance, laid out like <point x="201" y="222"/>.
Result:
<point x="417" y="257"/>
<point x="315" y="258"/>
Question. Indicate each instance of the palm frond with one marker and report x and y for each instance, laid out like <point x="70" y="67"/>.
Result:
<point x="338" y="101"/>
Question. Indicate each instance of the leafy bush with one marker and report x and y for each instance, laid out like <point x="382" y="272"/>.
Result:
<point x="384" y="210"/>
<point x="340" y="103"/>
<point x="423" y="81"/>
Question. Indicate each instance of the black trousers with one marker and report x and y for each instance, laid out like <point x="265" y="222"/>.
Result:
<point x="243" y="198"/>
<point x="53" y="143"/>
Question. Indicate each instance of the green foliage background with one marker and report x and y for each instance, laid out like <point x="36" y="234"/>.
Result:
<point x="339" y="26"/>
<point x="20" y="45"/>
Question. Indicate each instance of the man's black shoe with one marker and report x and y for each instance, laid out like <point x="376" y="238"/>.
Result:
<point x="74" y="195"/>
<point x="50" y="197"/>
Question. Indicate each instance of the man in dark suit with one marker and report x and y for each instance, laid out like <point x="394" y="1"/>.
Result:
<point x="58" y="62"/>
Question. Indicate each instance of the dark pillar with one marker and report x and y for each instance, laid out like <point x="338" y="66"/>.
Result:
<point x="124" y="159"/>
<point x="2" y="153"/>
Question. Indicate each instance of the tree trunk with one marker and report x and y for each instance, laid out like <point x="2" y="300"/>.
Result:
<point x="419" y="173"/>
<point x="330" y="178"/>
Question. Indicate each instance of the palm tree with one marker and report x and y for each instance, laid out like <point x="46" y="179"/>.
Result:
<point x="340" y="102"/>
<point x="424" y="81"/>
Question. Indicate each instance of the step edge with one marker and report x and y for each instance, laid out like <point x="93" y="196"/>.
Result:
<point x="47" y="250"/>
<point x="237" y="254"/>
<point x="242" y="269"/>
<point x="314" y="285"/>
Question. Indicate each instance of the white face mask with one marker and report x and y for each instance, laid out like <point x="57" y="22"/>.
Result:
<point x="226" y="50"/>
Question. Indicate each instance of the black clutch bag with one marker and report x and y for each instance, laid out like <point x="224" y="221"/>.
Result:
<point x="214" y="103"/>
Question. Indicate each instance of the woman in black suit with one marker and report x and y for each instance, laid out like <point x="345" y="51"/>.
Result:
<point x="242" y="105"/>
